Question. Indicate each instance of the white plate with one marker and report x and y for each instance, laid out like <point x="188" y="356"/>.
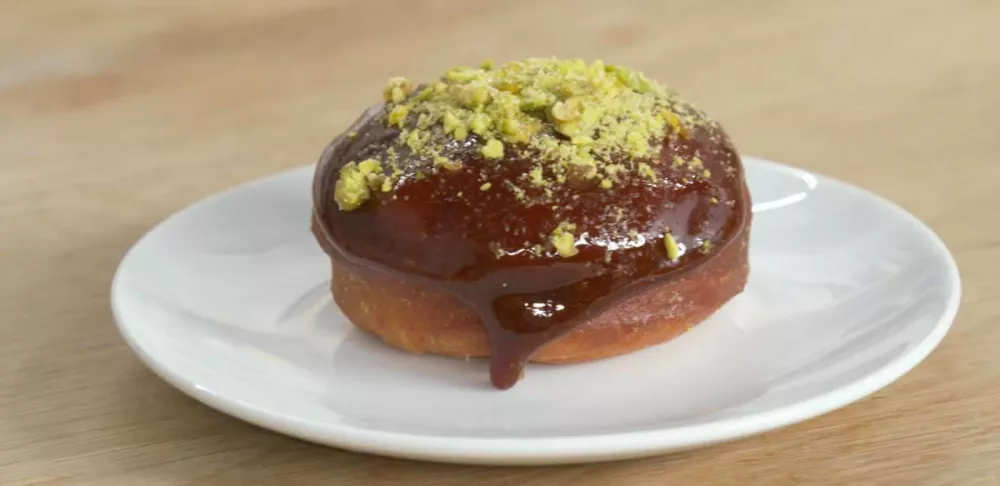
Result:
<point x="227" y="300"/>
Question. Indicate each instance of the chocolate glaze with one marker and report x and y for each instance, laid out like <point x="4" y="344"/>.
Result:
<point x="442" y="230"/>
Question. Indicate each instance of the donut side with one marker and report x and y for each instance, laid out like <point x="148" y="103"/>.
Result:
<point x="419" y="319"/>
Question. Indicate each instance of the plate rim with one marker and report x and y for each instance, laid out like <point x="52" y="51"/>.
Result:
<point x="555" y="449"/>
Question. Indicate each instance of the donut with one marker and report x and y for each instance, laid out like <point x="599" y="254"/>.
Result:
<point x="541" y="210"/>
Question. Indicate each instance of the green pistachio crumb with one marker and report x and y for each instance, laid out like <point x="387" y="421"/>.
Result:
<point x="451" y="122"/>
<point x="396" y="90"/>
<point x="398" y="115"/>
<point x="567" y="110"/>
<point x="673" y="250"/>
<point x="646" y="171"/>
<point x="493" y="149"/>
<point x="415" y="140"/>
<point x="485" y="187"/>
<point x="537" y="176"/>
<point x="353" y="187"/>
<point x="480" y="123"/>
<point x="563" y="240"/>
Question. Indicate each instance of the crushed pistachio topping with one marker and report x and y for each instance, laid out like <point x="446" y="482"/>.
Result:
<point x="646" y="171"/>
<point x="673" y="250"/>
<point x="493" y="149"/>
<point x="573" y="115"/>
<point x="563" y="240"/>
<point x="356" y="182"/>
<point x="396" y="90"/>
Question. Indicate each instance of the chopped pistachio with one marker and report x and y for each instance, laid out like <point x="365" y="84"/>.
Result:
<point x="646" y="171"/>
<point x="635" y="141"/>
<point x="673" y="120"/>
<point x="353" y="184"/>
<point x="398" y="115"/>
<point x="493" y="149"/>
<point x="607" y="184"/>
<point x="480" y="123"/>
<point x="563" y="240"/>
<point x="567" y="110"/>
<point x="397" y="89"/>
<point x="369" y="166"/>
<point x="415" y="140"/>
<point x="424" y="120"/>
<point x="485" y="187"/>
<point x="451" y="122"/>
<point x="612" y="170"/>
<point x="534" y="99"/>
<point x="537" y="176"/>
<point x="375" y="181"/>
<point x="423" y="95"/>
<point x="673" y="250"/>
<point x="461" y="74"/>
<point x="515" y="130"/>
<point x="570" y="128"/>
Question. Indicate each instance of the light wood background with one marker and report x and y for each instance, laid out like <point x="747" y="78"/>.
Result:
<point x="114" y="115"/>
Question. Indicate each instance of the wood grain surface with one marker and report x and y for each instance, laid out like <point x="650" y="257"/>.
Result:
<point x="115" y="114"/>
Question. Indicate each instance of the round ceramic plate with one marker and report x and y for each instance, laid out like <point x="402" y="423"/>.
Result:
<point x="228" y="300"/>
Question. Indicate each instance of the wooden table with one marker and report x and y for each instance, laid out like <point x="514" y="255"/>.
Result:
<point x="113" y="116"/>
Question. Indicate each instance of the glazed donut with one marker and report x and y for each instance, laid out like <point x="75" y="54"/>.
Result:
<point x="542" y="210"/>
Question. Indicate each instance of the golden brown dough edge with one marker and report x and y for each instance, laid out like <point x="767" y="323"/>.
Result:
<point x="421" y="320"/>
